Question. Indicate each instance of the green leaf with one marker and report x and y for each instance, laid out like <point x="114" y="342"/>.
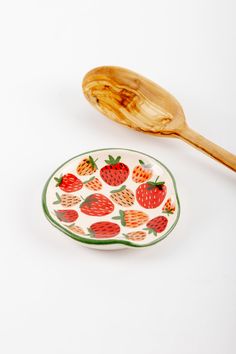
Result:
<point x="90" y="199"/>
<point x="118" y="190"/>
<point x="168" y="212"/>
<point x="154" y="184"/>
<point x="112" y="160"/>
<point x="117" y="159"/>
<point x="92" y="162"/>
<point x="150" y="230"/>
<point x="90" y="233"/>
<point x="141" y="162"/>
<point x="58" y="201"/>
<point x="122" y="218"/>
<point x="58" y="180"/>
<point x="89" y="180"/>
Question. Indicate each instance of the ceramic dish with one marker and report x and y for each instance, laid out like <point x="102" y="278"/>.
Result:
<point x="112" y="198"/>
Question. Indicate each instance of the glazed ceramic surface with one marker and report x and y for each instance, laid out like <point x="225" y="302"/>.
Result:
<point x="112" y="198"/>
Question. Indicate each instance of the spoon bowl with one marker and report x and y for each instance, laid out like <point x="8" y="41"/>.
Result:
<point x="135" y="101"/>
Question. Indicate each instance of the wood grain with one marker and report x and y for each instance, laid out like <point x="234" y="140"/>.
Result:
<point x="130" y="99"/>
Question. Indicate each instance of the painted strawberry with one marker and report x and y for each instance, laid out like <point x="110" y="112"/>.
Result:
<point x="136" y="235"/>
<point x="87" y="166"/>
<point x="76" y="229"/>
<point x="115" y="172"/>
<point x="142" y="172"/>
<point x="67" y="200"/>
<point x="123" y="196"/>
<point x="157" y="225"/>
<point x="67" y="215"/>
<point x="169" y="207"/>
<point x="151" y="194"/>
<point x="69" y="183"/>
<point x="93" y="184"/>
<point x="104" y="229"/>
<point x="97" y="205"/>
<point x="131" y="218"/>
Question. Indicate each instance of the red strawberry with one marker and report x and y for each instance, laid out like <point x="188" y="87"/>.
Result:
<point x="69" y="183"/>
<point x="67" y="215"/>
<point x="104" y="229"/>
<point x="157" y="225"/>
<point x="115" y="172"/>
<point x="151" y="194"/>
<point x="97" y="205"/>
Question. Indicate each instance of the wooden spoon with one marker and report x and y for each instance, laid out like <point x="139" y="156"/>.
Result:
<point x="131" y="99"/>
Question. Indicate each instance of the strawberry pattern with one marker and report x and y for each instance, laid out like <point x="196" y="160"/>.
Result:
<point x="138" y="212"/>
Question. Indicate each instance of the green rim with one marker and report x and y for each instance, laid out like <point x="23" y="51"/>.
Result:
<point x="106" y="242"/>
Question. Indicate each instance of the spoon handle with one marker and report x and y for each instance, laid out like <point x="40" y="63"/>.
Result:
<point x="209" y="148"/>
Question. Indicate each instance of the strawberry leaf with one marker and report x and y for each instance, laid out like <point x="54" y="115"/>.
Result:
<point x="93" y="163"/>
<point x="155" y="184"/>
<point x="89" y="200"/>
<point x="118" y="190"/>
<point x="111" y="158"/>
<point x="58" y="180"/>
<point x="90" y="232"/>
<point x="141" y="162"/>
<point x="89" y="180"/>
<point x="58" y="201"/>
<point x="168" y="212"/>
<point x="151" y="183"/>
<point x="150" y="231"/>
<point x="117" y="159"/>
<point x="112" y="161"/>
<point x="121" y="217"/>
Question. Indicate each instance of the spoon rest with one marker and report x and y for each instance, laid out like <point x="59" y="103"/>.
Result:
<point x="112" y="198"/>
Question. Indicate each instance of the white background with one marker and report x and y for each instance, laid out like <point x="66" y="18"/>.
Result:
<point x="56" y="296"/>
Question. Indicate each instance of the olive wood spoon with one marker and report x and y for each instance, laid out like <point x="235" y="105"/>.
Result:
<point x="131" y="99"/>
